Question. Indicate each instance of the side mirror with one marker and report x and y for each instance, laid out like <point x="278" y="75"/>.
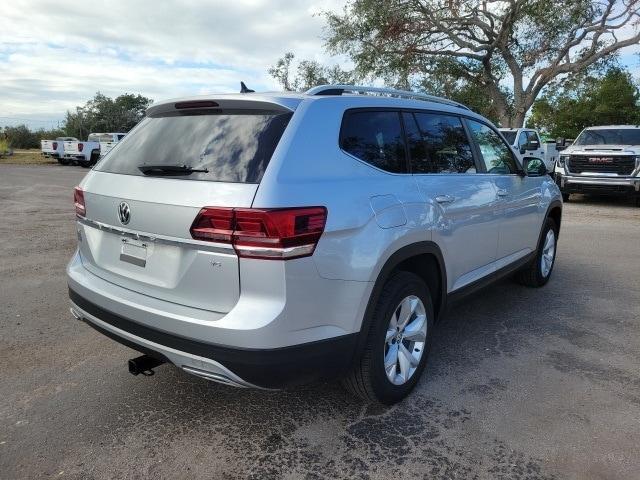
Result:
<point x="534" y="167"/>
<point x="533" y="145"/>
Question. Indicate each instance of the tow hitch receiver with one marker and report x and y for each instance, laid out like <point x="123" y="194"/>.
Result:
<point x="144" y="365"/>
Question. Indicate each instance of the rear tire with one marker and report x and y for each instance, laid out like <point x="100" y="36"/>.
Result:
<point x="537" y="272"/>
<point x="63" y="161"/>
<point x="566" y="197"/>
<point x="375" y="376"/>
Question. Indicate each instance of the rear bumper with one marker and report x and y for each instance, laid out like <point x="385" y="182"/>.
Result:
<point x="287" y="328"/>
<point x="75" y="156"/>
<point x="261" y="368"/>
<point x="597" y="184"/>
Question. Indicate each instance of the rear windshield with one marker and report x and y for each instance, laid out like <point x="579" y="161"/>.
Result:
<point x="233" y="145"/>
<point x="509" y="135"/>
<point x="609" y="136"/>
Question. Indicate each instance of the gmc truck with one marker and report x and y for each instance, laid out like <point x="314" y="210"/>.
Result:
<point x="87" y="153"/>
<point x="602" y="160"/>
<point x="55" y="148"/>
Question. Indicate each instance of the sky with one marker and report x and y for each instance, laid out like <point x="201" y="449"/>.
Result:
<point x="55" y="55"/>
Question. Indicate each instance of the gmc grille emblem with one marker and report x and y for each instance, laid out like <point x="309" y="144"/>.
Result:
<point x="600" y="160"/>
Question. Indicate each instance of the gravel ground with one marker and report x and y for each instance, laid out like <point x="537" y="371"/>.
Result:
<point x="522" y="384"/>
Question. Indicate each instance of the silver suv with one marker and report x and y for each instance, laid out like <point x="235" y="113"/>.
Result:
<point x="261" y="240"/>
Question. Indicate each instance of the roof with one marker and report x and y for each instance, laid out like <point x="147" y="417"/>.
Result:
<point x="602" y="127"/>
<point x="289" y="101"/>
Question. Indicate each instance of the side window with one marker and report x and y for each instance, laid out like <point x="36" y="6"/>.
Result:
<point x="522" y="140"/>
<point x="376" y="138"/>
<point x="446" y="146"/>
<point x="532" y="137"/>
<point x="496" y="155"/>
<point x="417" y="149"/>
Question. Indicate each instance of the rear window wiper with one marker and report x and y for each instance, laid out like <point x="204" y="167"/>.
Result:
<point x="170" y="170"/>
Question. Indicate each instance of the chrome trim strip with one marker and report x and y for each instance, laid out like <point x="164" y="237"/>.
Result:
<point x="214" y="377"/>
<point x="276" y="252"/>
<point x="154" y="238"/>
<point x="626" y="181"/>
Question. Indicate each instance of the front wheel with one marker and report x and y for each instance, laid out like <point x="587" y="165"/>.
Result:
<point x="398" y="342"/>
<point x="537" y="272"/>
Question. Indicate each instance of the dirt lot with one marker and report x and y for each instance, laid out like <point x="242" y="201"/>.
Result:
<point x="522" y="384"/>
<point x="27" y="157"/>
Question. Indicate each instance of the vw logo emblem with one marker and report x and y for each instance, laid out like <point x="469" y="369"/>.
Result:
<point x="124" y="213"/>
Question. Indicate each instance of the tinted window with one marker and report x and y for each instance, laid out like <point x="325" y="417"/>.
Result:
<point x="609" y="136"/>
<point x="510" y="135"/>
<point x="376" y="138"/>
<point x="523" y="140"/>
<point x="446" y="145"/>
<point x="496" y="155"/>
<point x="417" y="147"/>
<point x="234" y="146"/>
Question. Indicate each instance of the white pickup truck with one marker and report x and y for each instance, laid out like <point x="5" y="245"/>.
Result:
<point x="526" y="141"/>
<point x="55" y="148"/>
<point x="602" y="160"/>
<point x="87" y="153"/>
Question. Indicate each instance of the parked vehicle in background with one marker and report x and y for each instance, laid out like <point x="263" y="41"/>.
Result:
<point x="108" y="141"/>
<point x="526" y="142"/>
<point x="602" y="160"/>
<point x="55" y="148"/>
<point x="87" y="153"/>
<point x="262" y="240"/>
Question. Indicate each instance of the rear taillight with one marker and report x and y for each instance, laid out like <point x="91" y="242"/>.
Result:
<point x="276" y="234"/>
<point x="78" y="201"/>
<point x="55" y="145"/>
<point x="80" y="147"/>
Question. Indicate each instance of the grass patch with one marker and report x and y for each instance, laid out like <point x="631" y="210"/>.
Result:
<point x="27" y="157"/>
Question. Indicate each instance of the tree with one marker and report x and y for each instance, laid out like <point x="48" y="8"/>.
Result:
<point x="104" y="114"/>
<point x="309" y="73"/>
<point x="609" y="100"/>
<point x="509" y="50"/>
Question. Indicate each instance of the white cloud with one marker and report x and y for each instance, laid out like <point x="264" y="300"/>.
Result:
<point x="55" y="55"/>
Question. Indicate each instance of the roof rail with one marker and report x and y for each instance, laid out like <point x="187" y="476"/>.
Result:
<point x="340" y="89"/>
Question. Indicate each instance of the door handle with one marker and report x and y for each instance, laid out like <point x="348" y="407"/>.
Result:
<point x="444" y="199"/>
<point x="502" y="192"/>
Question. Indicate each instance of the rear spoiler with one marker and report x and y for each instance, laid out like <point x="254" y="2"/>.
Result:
<point x="226" y="102"/>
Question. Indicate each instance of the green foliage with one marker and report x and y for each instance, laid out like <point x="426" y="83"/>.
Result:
<point x="104" y="114"/>
<point x="100" y="114"/>
<point x="21" y="136"/>
<point x="506" y="50"/>
<point x="308" y="74"/>
<point x="4" y="146"/>
<point x="611" y="99"/>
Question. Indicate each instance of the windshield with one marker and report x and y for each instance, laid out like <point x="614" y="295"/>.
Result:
<point x="609" y="136"/>
<point x="232" y="146"/>
<point x="510" y="135"/>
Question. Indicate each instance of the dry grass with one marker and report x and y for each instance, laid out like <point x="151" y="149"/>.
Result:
<point x="27" y="157"/>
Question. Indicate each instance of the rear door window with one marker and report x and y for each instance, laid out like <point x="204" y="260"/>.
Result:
<point x="375" y="137"/>
<point x="495" y="154"/>
<point x="446" y="145"/>
<point x="232" y="145"/>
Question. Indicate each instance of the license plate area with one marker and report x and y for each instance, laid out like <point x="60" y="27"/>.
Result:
<point x="134" y="252"/>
